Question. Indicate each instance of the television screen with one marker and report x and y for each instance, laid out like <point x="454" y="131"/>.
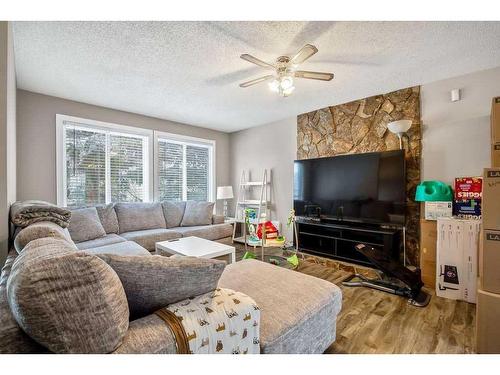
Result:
<point x="368" y="187"/>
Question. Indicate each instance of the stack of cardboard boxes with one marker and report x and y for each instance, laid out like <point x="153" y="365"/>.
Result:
<point x="495" y="133"/>
<point x="488" y="294"/>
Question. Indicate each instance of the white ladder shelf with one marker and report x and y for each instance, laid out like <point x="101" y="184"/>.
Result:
<point x="245" y="201"/>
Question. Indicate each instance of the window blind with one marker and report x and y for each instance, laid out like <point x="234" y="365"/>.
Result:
<point x="85" y="167"/>
<point x="103" y="166"/>
<point x="126" y="169"/>
<point x="170" y="165"/>
<point x="197" y="169"/>
<point x="184" y="170"/>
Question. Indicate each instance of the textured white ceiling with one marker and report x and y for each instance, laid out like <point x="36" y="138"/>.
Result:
<point x="189" y="71"/>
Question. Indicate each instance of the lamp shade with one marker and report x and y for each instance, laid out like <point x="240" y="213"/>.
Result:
<point x="225" y="192"/>
<point x="400" y="126"/>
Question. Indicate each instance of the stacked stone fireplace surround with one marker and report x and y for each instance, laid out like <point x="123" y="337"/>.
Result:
<point x="361" y="126"/>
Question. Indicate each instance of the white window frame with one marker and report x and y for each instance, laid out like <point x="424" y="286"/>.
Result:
<point x="192" y="141"/>
<point x="105" y="127"/>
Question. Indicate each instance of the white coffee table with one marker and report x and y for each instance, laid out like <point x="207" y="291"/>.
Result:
<point x="195" y="247"/>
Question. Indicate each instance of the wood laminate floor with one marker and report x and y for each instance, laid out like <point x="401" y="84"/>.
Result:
<point x="376" y="322"/>
<point x="372" y="321"/>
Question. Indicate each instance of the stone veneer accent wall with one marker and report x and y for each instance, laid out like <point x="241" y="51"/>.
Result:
<point x="361" y="126"/>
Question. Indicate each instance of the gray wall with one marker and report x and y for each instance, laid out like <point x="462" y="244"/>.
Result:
<point x="36" y="140"/>
<point x="272" y="146"/>
<point x="7" y="133"/>
<point x="455" y="143"/>
<point x="456" y="135"/>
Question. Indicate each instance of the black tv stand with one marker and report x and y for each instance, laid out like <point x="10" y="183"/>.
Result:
<point x="337" y="239"/>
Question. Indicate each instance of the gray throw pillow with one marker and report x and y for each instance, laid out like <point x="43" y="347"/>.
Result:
<point x="197" y="213"/>
<point x="85" y="225"/>
<point x="139" y="216"/>
<point x="67" y="301"/>
<point x="153" y="282"/>
<point x="40" y="230"/>
<point x="173" y="211"/>
<point x="108" y="218"/>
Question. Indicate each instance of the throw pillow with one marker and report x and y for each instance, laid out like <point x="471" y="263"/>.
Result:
<point x="197" y="213"/>
<point x="156" y="281"/>
<point x="85" y="225"/>
<point x="139" y="216"/>
<point x="108" y="218"/>
<point x="173" y="212"/>
<point x="40" y="230"/>
<point x="67" y="301"/>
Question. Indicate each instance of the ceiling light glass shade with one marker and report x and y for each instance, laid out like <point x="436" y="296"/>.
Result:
<point x="286" y="82"/>
<point x="288" y="91"/>
<point x="400" y="126"/>
<point x="275" y="85"/>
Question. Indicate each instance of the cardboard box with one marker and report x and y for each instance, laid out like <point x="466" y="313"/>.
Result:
<point x="428" y="240"/>
<point x="489" y="258"/>
<point x="435" y="210"/>
<point x="487" y="322"/>
<point x="495" y="155"/>
<point x="491" y="199"/>
<point x="495" y="120"/>
<point x="467" y="188"/>
<point x="467" y="209"/>
<point x="456" y="258"/>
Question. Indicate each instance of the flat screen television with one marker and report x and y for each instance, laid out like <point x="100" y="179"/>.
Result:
<point x="369" y="188"/>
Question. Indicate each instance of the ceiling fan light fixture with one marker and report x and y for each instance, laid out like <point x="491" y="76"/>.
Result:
<point x="288" y="91"/>
<point x="286" y="82"/>
<point x="274" y="85"/>
<point x="286" y="71"/>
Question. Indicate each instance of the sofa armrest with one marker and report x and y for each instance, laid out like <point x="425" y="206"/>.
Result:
<point x="147" y="335"/>
<point x="218" y="219"/>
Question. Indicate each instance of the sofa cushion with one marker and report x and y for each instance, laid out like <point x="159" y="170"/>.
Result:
<point x="197" y="213"/>
<point x="148" y="335"/>
<point x="218" y="219"/>
<point x="149" y="237"/>
<point x="13" y="340"/>
<point x="139" y="216"/>
<point x="154" y="282"/>
<point x="108" y="218"/>
<point x="85" y="225"/>
<point x="301" y="318"/>
<point x="208" y="232"/>
<point x="66" y="300"/>
<point x="120" y="248"/>
<point x="102" y="241"/>
<point x="40" y="230"/>
<point x="173" y="212"/>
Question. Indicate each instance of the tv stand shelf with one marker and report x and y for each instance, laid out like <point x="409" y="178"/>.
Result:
<point x="337" y="239"/>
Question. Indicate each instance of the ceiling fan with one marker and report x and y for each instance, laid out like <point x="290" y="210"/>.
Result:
<point x="285" y="70"/>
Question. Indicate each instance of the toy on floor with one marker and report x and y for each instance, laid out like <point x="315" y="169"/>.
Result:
<point x="293" y="260"/>
<point x="249" y="255"/>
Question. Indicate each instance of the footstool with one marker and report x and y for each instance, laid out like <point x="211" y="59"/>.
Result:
<point x="298" y="311"/>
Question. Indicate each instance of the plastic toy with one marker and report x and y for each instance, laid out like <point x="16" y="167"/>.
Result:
<point x="249" y="255"/>
<point x="433" y="191"/>
<point x="293" y="260"/>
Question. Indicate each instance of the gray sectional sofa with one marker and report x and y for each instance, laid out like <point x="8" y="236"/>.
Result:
<point x="134" y="228"/>
<point x="298" y="312"/>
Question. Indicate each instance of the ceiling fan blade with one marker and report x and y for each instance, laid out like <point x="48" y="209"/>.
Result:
<point x="256" y="80"/>
<point x="256" y="61"/>
<point x="305" y="52"/>
<point x="314" y="75"/>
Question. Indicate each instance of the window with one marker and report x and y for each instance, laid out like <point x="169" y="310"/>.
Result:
<point x="102" y="163"/>
<point x="184" y="168"/>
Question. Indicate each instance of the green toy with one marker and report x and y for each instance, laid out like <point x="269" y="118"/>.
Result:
<point x="249" y="255"/>
<point x="293" y="260"/>
<point x="433" y="191"/>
